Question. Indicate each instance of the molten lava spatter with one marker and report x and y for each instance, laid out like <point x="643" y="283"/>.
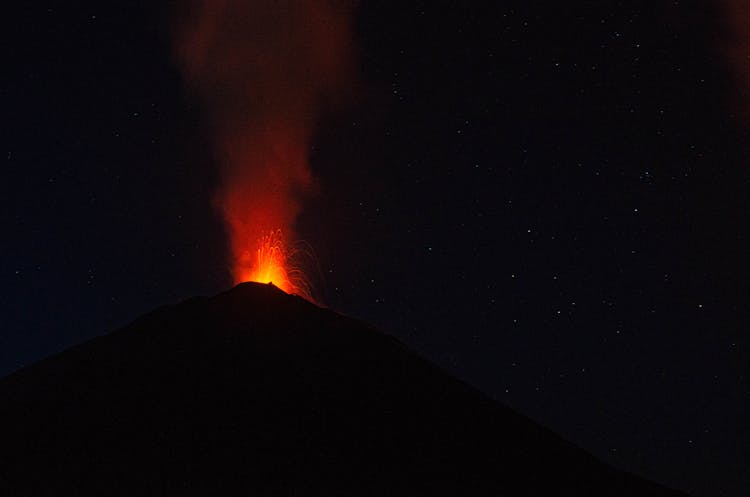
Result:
<point x="267" y="264"/>
<point x="273" y="262"/>
<point x="265" y="72"/>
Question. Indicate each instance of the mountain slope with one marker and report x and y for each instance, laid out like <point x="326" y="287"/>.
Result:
<point x="255" y="392"/>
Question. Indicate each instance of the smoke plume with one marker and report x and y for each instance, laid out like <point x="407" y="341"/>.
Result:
<point x="264" y="70"/>
<point x="737" y="16"/>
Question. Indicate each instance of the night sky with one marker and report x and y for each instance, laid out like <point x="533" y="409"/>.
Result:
<point x="548" y="199"/>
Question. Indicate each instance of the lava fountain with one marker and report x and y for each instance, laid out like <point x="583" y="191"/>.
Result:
<point x="265" y="71"/>
<point x="274" y="262"/>
<point x="268" y="264"/>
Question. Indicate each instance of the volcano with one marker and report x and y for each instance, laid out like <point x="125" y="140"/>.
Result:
<point x="257" y="392"/>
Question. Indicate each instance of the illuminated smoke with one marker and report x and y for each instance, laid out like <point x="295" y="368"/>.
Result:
<point x="264" y="70"/>
<point x="737" y="16"/>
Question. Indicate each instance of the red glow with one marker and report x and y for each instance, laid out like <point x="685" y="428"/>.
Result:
<point x="264" y="71"/>
<point x="736" y="42"/>
<point x="272" y="262"/>
<point x="266" y="265"/>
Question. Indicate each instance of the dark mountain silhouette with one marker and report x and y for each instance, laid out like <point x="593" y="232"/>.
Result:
<point x="258" y="393"/>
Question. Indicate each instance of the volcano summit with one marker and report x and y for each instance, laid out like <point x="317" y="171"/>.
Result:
<point x="256" y="392"/>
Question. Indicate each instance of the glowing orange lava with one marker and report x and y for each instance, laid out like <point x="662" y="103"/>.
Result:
<point x="265" y="73"/>
<point x="267" y="264"/>
<point x="272" y="262"/>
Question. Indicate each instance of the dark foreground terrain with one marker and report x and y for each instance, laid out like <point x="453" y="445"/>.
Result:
<point x="257" y="393"/>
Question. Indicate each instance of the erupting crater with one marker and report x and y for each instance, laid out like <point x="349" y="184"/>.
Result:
<point x="273" y="262"/>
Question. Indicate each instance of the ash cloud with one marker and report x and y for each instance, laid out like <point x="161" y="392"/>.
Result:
<point x="265" y="71"/>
